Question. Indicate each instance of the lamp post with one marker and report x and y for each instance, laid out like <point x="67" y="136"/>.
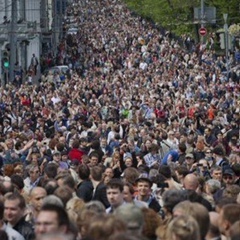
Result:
<point x="13" y="40"/>
<point x="225" y="17"/>
<point x="202" y="18"/>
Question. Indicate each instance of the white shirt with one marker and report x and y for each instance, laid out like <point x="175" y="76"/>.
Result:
<point x="12" y="234"/>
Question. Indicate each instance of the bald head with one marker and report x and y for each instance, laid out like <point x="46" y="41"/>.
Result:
<point x="37" y="190"/>
<point x="191" y="182"/>
<point x="37" y="195"/>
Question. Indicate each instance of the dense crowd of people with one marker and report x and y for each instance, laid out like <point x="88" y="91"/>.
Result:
<point x="139" y="140"/>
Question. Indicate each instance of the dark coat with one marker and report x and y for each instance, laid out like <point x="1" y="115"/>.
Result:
<point x="85" y="190"/>
<point x="154" y="205"/>
<point x="100" y="194"/>
<point x="25" y="229"/>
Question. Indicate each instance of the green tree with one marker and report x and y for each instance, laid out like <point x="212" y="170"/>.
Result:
<point x="177" y="15"/>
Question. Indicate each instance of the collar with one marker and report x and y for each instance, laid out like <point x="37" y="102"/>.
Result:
<point x="219" y="161"/>
<point x="148" y="201"/>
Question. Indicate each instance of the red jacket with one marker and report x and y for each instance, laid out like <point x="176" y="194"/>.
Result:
<point x="76" y="154"/>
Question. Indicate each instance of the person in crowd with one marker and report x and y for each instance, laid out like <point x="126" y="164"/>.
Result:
<point x="137" y="99"/>
<point x="234" y="231"/>
<point x="33" y="179"/>
<point x="14" y="213"/>
<point x="34" y="63"/>
<point x="165" y="171"/>
<point x="213" y="231"/>
<point x="144" y="185"/>
<point x="36" y="196"/>
<point x="197" y="211"/>
<point x="11" y="233"/>
<point x="228" y="178"/>
<point x="229" y="214"/>
<point x="152" y="158"/>
<point x="102" y="227"/>
<point x="85" y="187"/>
<point x="75" y="152"/>
<point x="52" y="219"/>
<point x="152" y="221"/>
<point x="99" y="188"/>
<point x="93" y="159"/>
<point x="115" y="194"/>
<point x="216" y="173"/>
<point x="133" y="218"/>
<point x="129" y="195"/>
<point x="183" y="227"/>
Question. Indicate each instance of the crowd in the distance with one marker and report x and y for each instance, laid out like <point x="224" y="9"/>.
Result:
<point x="139" y="141"/>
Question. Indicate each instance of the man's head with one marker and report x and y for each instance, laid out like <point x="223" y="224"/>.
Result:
<point x="115" y="192"/>
<point x="218" y="152"/>
<point x="37" y="195"/>
<point x="189" y="159"/>
<point x="103" y="142"/>
<point x="109" y="172"/>
<point x="93" y="159"/>
<point x="50" y="171"/>
<point x="228" y="215"/>
<point x="154" y="148"/>
<point x="14" y="208"/>
<point x="220" y="136"/>
<point x="144" y="185"/>
<point x="83" y="172"/>
<point x="171" y="198"/>
<point x="216" y="173"/>
<point x="212" y="186"/>
<point x="182" y="147"/>
<point x="65" y="179"/>
<point x="128" y="161"/>
<point x="191" y="182"/>
<point x="165" y="170"/>
<point x="51" y="219"/>
<point x="96" y="173"/>
<point x="57" y="156"/>
<point x="34" y="173"/>
<point x="132" y="216"/>
<point x="231" y="191"/>
<point x="228" y="176"/>
<point x="207" y="131"/>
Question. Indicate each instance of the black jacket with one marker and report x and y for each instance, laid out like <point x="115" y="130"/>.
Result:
<point x="100" y="194"/>
<point x="85" y="190"/>
<point x="25" y="229"/>
<point x="154" y="205"/>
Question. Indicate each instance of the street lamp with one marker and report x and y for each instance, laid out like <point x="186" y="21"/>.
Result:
<point x="225" y="17"/>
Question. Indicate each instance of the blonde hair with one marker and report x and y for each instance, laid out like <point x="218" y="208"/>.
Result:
<point x="74" y="208"/>
<point x="183" y="228"/>
<point x="197" y="211"/>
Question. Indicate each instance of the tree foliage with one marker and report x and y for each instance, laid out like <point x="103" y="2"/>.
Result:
<point x="177" y="15"/>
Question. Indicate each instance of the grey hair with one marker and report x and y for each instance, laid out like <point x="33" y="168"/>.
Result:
<point x="52" y="199"/>
<point x="96" y="206"/>
<point x="214" y="185"/>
